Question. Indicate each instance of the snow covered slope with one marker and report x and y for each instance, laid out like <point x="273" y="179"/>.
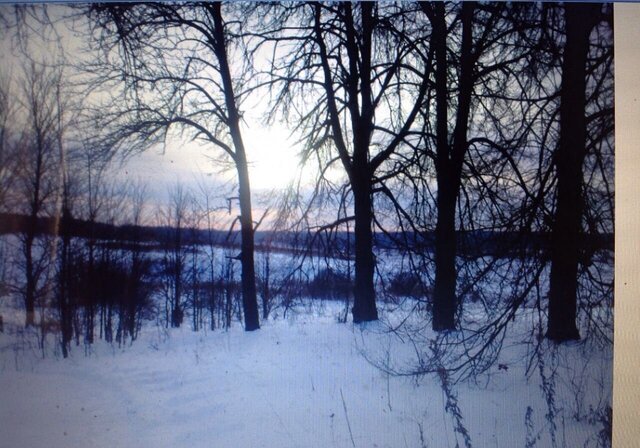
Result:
<point x="299" y="382"/>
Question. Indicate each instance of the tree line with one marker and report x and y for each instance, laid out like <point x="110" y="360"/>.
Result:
<point x="418" y="120"/>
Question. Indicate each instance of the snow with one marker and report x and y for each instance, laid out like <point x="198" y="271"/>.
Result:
<point x="303" y="381"/>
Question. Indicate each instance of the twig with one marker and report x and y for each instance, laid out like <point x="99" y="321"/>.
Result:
<point x="346" y="415"/>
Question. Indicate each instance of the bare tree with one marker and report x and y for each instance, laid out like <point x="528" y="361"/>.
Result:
<point x="174" y="62"/>
<point x="64" y="283"/>
<point x="507" y="197"/>
<point x="8" y="142"/>
<point x="138" y="290"/>
<point x="173" y="217"/>
<point x="478" y="55"/>
<point x="196" y="269"/>
<point x="38" y="171"/>
<point x="204" y="202"/>
<point x="92" y="208"/>
<point x="66" y="287"/>
<point x="8" y="163"/>
<point x="361" y="72"/>
<point x="580" y="19"/>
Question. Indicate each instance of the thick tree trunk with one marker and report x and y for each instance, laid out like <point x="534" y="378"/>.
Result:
<point x="358" y="167"/>
<point x="364" y="304"/>
<point x="248" y="275"/>
<point x="445" y="277"/>
<point x="449" y="162"/>
<point x="444" y="291"/>
<point x="565" y="249"/>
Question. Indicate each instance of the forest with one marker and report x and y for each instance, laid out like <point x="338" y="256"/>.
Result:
<point x="445" y="230"/>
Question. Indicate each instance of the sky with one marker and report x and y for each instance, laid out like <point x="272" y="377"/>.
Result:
<point x="273" y="162"/>
<point x="272" y="152"/>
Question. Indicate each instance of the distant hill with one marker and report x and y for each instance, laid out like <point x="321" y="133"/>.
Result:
<point x="472" y="244"/>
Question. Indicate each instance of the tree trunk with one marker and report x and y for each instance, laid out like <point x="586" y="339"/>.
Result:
<point x="30" y="293"/>
<point x="364" y="303"/>
<point x="249" y="296"/>
<point x="266" y="294"/>
<point x="449" y="160"/>
<point x="30" y="237"/>
<point x="444" y="291"/>
<point x="565" y="239"/>
<point x="90" y="293"/>
<point x="248" y="275"/>
<point x="177" y="313"/>
<point x="65" y="283"/>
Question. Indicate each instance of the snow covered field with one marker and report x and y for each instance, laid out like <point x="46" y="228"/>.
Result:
<point x="298" y="382"/>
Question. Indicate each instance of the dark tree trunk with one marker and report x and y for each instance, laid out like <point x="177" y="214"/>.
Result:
<point x="36" y="181"/>
<point x="30" y="292"/>
<point x="449" y="160"/>
<point x="248" y="275"/>
<point x="569" y="158"/>
<point x="444" y="291"/>
<point x="249" y="296"/>
<point x="364" y="303"/>
<point x="356" y="77"/>
<point x="108" y="324"/>
<point x="65" y="283"/>
<point x="212" y="286"/>
<point x="362" y="176"/>
<point x="30" y="237"/>
<point x="136" y="279"/>
<point x="90" y="295"/>
<point x="228" y="305"/>
<point x="266" y="293"/>
<point x="177" y="314"/>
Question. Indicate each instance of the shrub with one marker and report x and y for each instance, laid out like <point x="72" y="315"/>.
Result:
<point x="407" y="284"/>
<point x="330" y="284"/>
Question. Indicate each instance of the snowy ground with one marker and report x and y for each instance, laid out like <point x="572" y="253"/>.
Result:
<point x="299" y="382"/>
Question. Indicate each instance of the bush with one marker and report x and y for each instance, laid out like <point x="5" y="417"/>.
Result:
<point x="330" y="284"/>
<point x="407" y="284"/>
